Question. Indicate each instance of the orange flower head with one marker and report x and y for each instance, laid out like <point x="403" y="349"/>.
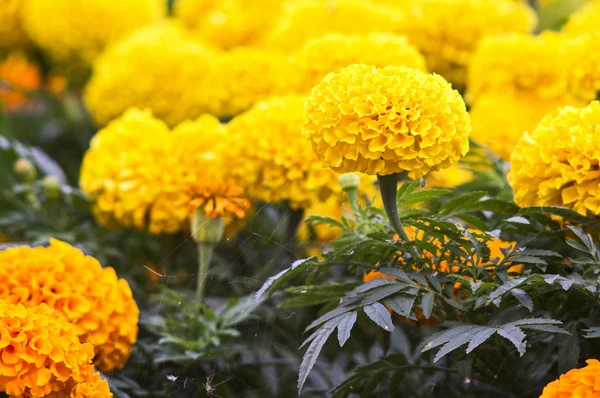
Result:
<point x="580" y="383"/>
<point x="18" y="76"/>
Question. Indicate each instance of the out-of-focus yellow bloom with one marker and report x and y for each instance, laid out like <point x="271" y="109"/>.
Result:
<point x="271" y="159"/>
<point x="80" y="29"/>
<point x="237" y="79"/>
<point x="42" y="355"/>
<point x="448" y="31"/>
<point x="303" y="20"/>
<point x="11" y="30"/>
<point x="159" y="67"/>
<point x="384" y="121"/>
<point x="536" y="65"/>
<point x="18" y="76"/>
<point x="500" y="118"/>
<point x="449" y="178"/>
<point x="229" y="23"/>
<point x="585" y="20"/>
<point x="584" y="72"/>
<point x="334" y="51"/>
<point x="583" y="382"/>
<point x="99" y="305"/>
<point x="558" y="164"/>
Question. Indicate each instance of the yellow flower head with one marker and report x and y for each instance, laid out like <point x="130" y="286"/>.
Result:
<point x="448" y="31"/>
<point x="42" y="355"/>
<point x="451" y="177"/>
<point x="306" y="19"/>
<point x="11" y="31"/>
<point x="158" y="67"/>
<point x="585" y="20"/>
<point x="229" y="23"/>
<point x="334" y="51"/>
<point x="558" y="164"/>
<point x="500" y="118"/>
<point x="271" y="159"/>
<point x="18" y="76"/>
<point x="384" y="121"/>
<point x="237" y="79"/>
<point x="583" y="382"/>
<point x="92" y="298"/>
<point x="537" y="65"/>
<point x="81" y="29"/>
<point x="584" y="72"/>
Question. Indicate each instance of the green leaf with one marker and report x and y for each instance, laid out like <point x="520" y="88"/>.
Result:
<point x="561" y="212"/>
<point x="312" y="353"/>
<point x="479" y="338"/>
<point x="275" y="281"/>
<point x="463" y="203"/>
<point x="380" y="315"/>
<point x="591" y="333"/>
<point x="345" y="327"/>
<point x="515" y="335"/>
<point x="401" y="304"/>
<point x="380" y="293"/>
<point x="316" y="219"/>
<point x="523" y="298"/>
<point x="427" y="304"/>
<point x="424" y="195"/>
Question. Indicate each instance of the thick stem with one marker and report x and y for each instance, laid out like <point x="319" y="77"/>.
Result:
<point x="205" y="251"/>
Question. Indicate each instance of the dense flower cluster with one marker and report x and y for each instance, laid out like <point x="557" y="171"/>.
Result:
<point x="334" y="51"/>
<point x="448" y="31"/>
<point x="559" y="162"/>
<point x="388" y="120"/>
<point x="81" y="29"/>
<point x="280" y="163"/>
<point x="42" y="355"/>
<point x="159" y="67"/>
<point x="21" y="76"/>
<point x="11" y="31"/>
<point x="303" y="20"/>
<point x="99" y="305"/>
<point x="581" y="383"/>
<point x="228" y="23"/>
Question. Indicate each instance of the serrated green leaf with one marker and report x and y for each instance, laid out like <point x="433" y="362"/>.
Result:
<point x="323" y="220"/>
<point x="345" y="327"/>
<point x="401" y="304"/>
<point x="380" y="293"/>
<point x="591" y="333"/>
<point x="312" y="353"/>
<point x="461" y="203"/>
<point x="274" y="281"/>
<point x="479" y="337"/>
<point x="380" y="315"/>
<point x="523" y="298"/>
<point x="515" y="335"/>
<point x="427" y="304"/>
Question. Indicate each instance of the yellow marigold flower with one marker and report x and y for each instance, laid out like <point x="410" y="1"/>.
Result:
<point x="523" y="64"/>
<point x="448" y="178"/>
<point x="584" y="20"/>
<point x="99" y="305"/>
<point x="81" y="29"/>
<point x="584" y="73"/>
<point x="384" y="121"/>
<point x="237" y="79"/>
<point x="228" y="23"/>
<point x="306" y="19"/>
<point x="500" y="118"/>
<point x="558" y="164"/>
<point x="42" y="355"/>
<point x="279" y="163"/>
<point x="334" y="51"/>
<point x="11" y="30"/>
<point x="158" y="67"/>
<point x="576" y="383"/>
<point x="448" y="31"/>
<point x="18" y="76"/>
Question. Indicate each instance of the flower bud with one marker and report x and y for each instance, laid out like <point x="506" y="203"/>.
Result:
<point x="349" y="181"/>
<point x="51" y="187"/>
<point x="25" y="170"/>
<point x="206" y="229"/>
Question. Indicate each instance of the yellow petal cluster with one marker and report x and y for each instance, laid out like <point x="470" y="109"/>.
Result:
<point x="581" y="383"/>
<point x="11" y="30"/>
<point x="305" y="19"/>
<point x="332" y="52"/>
<point x="141" y="175"/>
<point x="159" y="67"/>
<point x="270" y="158"/>
<point x="81" y="29"/>
<point x="92" y="298"/>
<point x="448" y="31"/>
<point x="237" y="79"/>
<point x="229" y="23"/>
<point x="389" y="120"/>
<point x="558" y="164"/>
<point x="41" y="355"/>
<point x="584" y="20"/>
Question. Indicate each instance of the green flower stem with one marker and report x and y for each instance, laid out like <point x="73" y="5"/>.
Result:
<point x="388" y="187"/>
<point x="352" y="195"/>
<point x="205" y="251"/>
<point x="207" y="232"/>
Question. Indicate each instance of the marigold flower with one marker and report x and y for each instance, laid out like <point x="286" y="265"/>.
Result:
<point x="334" y="51"/>
<point x="499" y="118"/>
<point x="18" y="76"/>
<point x="584" y="72"/>
<point x="558" y="164"/>
<point x="303" y="20"/>
<point x="448" y="31"/>
<point x="279" y="164"/>
<point x="227" y="23"/>
<point x="583" y="382"/>
<point x="237" y="79"/>
<point x="81" y="29"/>
<point x="384" y="121"/>
<point x="140" y="71"/>
<point x="11" y="30"/>
<point x="99" y="305"/>
<point x="42" y="355"/>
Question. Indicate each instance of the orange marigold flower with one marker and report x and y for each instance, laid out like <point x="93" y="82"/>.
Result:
<point x="18" y="76"/>
<point x="99" y="305"/>
<point x="576" y="383"/>
<point x="42" y="356"/>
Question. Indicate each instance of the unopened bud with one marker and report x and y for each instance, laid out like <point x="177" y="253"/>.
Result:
<point x="51" y="187"/>
<point x="25" y="170"/>
<point x="349" y="181"/>
<point x="206" y="229"/>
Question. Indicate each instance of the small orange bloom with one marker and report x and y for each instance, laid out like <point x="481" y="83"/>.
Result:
<point x="18" y="76"/>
